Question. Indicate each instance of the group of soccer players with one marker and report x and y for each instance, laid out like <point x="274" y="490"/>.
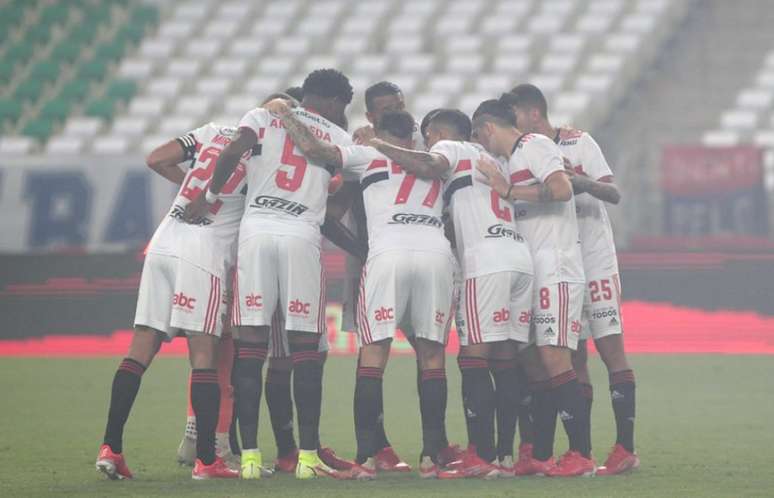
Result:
<point x="496" y="221"/>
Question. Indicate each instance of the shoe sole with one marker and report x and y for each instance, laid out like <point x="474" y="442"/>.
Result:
<point x="397" y="468"/>
<point x="109" y="469"/>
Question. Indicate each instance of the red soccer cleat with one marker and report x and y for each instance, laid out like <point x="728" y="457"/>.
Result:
<point x="451" y="456"/>
<point x="573" y="464"/>
<point x="428" y="469"/>
<point x="535" y="467"/>
<point x="619" y="461"/>
<point x="389" y="461"/>
<point x="329" y="458"/>
<point x="523" y="465"/>
<point x="472" y="466"/>
<point x="112" y="464"/>
<point x="216" y="470"/>
<point x="287" y="463"/>
<point x="355" y="472"/>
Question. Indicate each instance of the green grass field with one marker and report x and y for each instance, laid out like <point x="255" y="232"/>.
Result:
<point x="703" y="429"/>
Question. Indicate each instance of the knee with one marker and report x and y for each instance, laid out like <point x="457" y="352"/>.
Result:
<point x="612" y="353"/>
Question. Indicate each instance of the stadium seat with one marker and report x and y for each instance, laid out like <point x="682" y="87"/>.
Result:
<point x="222" y="28"/>
<point x="371" y="65"/>
<point x="56" y="110"/>
<point x="28" y="91"/>
<point x="151" y="142"/>
<point x="408" y="44"/>
<point x="16" y="145"/>
<point x="122" y="90"/>
<point x="46" y="71"/>
<point x="263" y="85"/>
<point x="511" y="65"/>
<point x="240" y="104"/>
<point x="557" y="63"/>
<point x="249" y="48"/>
<point x="150" y="106"/>
<point x="183" y="67"/>
<point x="158" y="48"/>
<point x="765" y="79"/>
<point x="498" y="25"/>
<point x="465" y="64"/>
<point x="764" y="138"/>
<point x="514" y="43"/>
<point x="276" y="65"/>
<point x="230" y="68"/>
<point x="64" y="145"/>
<point x="138" y="69"/>
<point x="204" y="48"/>
<point x="416" y="64"/>
<point x="168" y="86"/>
<point x="10" y="111"/>
<point x="594" y="23"/>
<point x="317" y="61"/>
<point x="197" y="106"/>
<point x="493" y="84"/>
<point x="173" y="126"/>
<point x="94" y="70"/>
<point x="720" y="138"/>
<point x="214" y="86"/>
<point x="756" y="99"/>
<point x="103" y="108"/>
<point x="550" y="84"/>
<point x="448" y="83"/>
<point x="738" y="119"/>
<point x="110" y="145"/>
<point x="85" y="127"/>
<point x="547" y="24"/>
<point x="39" y="129"/>
<point x="130" y="126"/>
<point x="177" y="29"/>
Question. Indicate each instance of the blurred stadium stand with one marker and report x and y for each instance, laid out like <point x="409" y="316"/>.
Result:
<point x="112" y="77"/>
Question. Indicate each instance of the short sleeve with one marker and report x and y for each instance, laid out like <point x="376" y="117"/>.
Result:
<point x="258" y="119"/>
<point x="191" y="141"/>
<point x="355" y="160"/>
<point x="543" y="157"/>
<point x="593" y="161"/>
<point x="448" y="150"/>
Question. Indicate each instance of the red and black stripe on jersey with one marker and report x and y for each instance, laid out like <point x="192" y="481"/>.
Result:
<point x="465" y="180"/>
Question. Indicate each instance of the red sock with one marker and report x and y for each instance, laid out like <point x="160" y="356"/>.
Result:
<point x="225" y="363"/>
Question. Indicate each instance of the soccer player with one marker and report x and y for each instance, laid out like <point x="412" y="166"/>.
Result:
<point x="496" y="265"/>
<point x="380" y="98"/>
<point x="408" y="277"/>
<point x="543" y="203"/>
<point x="593" y="183"/>
<point x="182" y="289"/>
<point x="279" y="260"/>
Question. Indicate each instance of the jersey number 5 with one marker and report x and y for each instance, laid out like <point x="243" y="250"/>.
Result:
<point x="291" y="180"/>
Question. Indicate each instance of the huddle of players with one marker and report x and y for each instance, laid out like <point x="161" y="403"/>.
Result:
<point x="508" y="198"/>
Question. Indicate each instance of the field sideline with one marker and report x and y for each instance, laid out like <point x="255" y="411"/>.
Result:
<point x="703" y="428"/>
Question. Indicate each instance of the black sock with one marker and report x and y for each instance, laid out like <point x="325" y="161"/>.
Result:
<point x="525" y="415"/>
<point x="233" y="439"/>
<point x="478" y="399"/>
<point x="368" y="390"/>
<point x="587" y="392"/>
<point x="205" y="400"/>
<point x="126" y="383"/>
<point x="280" y="406"/>
<point x="233" y="433"/>
<point x="622" y="395"/>
<point x="544" y="421"/>
<point x="307" y="392"/>
<point x="507" y="398"/>
<point x="248" y="384"/>
<point x="570" y="405"/>
<point x="432" y="400"/>
<point x="380" y="435"/>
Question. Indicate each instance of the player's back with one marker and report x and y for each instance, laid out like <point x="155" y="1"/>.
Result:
<point x="287" y="193"/>
<point x="402" y="211"/>
<point x="486" y="237"/>
<point x="207" y="242"/>
<point x="551" y="228"/>
<point x="596" y="233"/>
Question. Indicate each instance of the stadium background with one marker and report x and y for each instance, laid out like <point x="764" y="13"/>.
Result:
<point x="679" y="93"/>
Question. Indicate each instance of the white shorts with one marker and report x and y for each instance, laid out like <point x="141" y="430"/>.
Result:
<point x="280" y="271"/>
<point x="278" y="339"/>
<point x="556" y="315"/>
<point x="400" y="287"/>
<point x="602" y="308"/>
<point x="176" y="295"/>
<point x="495" y="307"/>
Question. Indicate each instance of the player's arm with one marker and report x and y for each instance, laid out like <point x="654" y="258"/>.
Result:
<point x="556" y="187"/>
<point x="603" y="189"/>
<point x="426" y="165"/>
<point x="335" y="231"/>
<point x="315" y="150"/>
<point x="228" y="160"/>
<point x="164" y="160"/>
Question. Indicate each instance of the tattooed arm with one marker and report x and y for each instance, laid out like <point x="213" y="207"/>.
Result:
<point x="315" y="150"/>
<point x="422" y="164"/>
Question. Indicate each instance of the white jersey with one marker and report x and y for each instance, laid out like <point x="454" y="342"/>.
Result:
<point x="402" y="211"/>
<point x="211" y="242"/>
<point x="596" y="234"/>
<point x="551" y="228"/>
<point x="286" y="193"/>
<point x="487" y="239"/>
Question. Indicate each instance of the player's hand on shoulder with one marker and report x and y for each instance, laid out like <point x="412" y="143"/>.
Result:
<point x="196" y="209"/>
<point x="278" y="106"/>
<point x="568" y="167"/>
<point x="490" y="174"/>
<point x="364" y="135"/>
